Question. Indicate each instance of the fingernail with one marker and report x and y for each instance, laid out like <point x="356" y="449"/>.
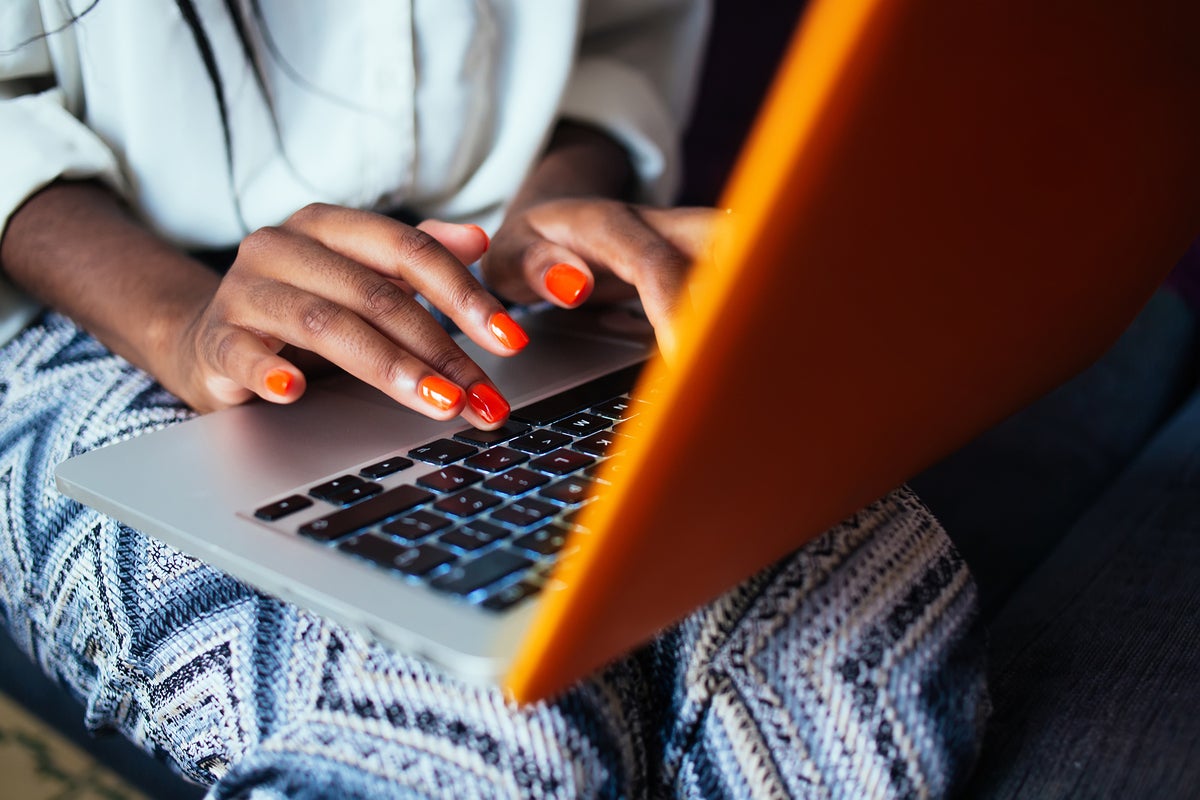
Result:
<point x="566" y="283"/>
<point x="507" y="331"/>
<point x="439" y="392"/>
<point x="487" y="241"/>
<point x="487" y="402"/>
<point x="278" y="381"/>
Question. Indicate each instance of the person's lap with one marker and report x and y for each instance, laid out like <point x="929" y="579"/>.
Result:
<point x="853" y="666"/>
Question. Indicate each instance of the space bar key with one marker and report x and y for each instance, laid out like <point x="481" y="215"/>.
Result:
<point x="368" y="512"/>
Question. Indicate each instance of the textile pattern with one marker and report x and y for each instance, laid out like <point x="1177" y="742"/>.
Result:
<point x="851" y="669"/>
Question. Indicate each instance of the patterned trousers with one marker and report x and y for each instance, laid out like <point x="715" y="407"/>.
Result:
<point x="853" y="668"/>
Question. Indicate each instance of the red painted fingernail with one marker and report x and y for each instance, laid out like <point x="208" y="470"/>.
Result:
<point x="278" y="381"/>
<point x="507" y="331"/>
<point x="567" y="283"/>
<point x="487" y="402"/>
<point x="487" y="241"/>
<point x="439" y="392"/>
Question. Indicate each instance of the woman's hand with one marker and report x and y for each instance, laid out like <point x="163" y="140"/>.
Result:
<point x="569" y="250"/>
<point x="340" y="283"/>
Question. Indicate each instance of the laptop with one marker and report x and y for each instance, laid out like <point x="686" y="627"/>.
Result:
<point x="944" y="209"/>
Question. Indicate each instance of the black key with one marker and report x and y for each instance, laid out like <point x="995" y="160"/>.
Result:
<point x="497" y="459"/>
<point x="561" y="462"/>
<point x="509" y="596"/>
<point x="547" y="541"/>
<point x="422" y="559"/>
<point x="386" y="467"/>
<point x="282" y="508"/>
<point x="484" y="438"/>
<point x="569" y="490"/>
<point x="474" y="535"/>
<point x="581" y="424"/>
<point x="603" y="443"/>
<point x="442" y="451"/>
<point x="467" y="502"/>
<point x="448" y="479"/>
<point x="485" y="570"/>
<point x="387" y="553"/>
<point x="352" y="494"/>
<point x="540" y="441"/>
<point x="580" y="397"/>
<point x="617" y="408"/>
<point x="330" y="488"/>
<point x="516" y="481"/>
<point x="525" y="512"/>
<point x="416" y="525"/>
<point x="368" y="512"/>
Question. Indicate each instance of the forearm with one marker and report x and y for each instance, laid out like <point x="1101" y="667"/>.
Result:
<point x="580" y="161"/>
<point x="76" y="248"/>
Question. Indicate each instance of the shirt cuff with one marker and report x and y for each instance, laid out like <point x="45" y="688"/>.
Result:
<point x="609" y="95"/>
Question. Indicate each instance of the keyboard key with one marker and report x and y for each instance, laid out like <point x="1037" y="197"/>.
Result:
<point x="416" y="525"/>
<point x="442" y="451"/>
<point x="449" y="479"/>
<point x="581" y="424"/>
<point x="386" y="467"/>
<point x="525" y="512"/>
<point x="547" y="541"/>
<point x="617" y="408"/>
<point x="467" y="503"/>
<point x="578" y="398"/>
<point x="352" y="494"/>
<point x="368" y="512"/>
<point x="516" y="481"/>
<point x="331" y="488"/>
<point x="483" y="571"/>
<point x="497" y="459"/>
<point x="474" y="535"/>
<point x="569" y="490"/>
<point x="561" y="462"/>
<point x="281" y="508"/>
<point x="423" y="559"/>
<point x="480" y="438"/>
<point x="540" y="441"/>
<point x="509" y="596"/>
<point x="604" y="443"/>
<point x="387" y="553"/>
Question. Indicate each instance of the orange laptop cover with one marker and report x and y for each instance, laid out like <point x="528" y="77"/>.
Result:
<point x="945" y="209"/>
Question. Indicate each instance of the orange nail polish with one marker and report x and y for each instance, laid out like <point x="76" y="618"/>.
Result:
<point x="506" y="329"/>
<point x="439" y="392"/>
<point x="487" y="241"/>
<point x="567" y="283"/>
<point x="487" y="402"/>
<point x="278" y="381"/>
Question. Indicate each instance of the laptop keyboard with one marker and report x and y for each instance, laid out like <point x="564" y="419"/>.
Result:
<point x="480" y="516"/>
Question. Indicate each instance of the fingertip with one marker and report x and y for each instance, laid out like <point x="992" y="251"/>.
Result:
<point x="567" y="284"/>
<point x="487" y="404"/>
<point x="439" y="396"/>
<point x="508" y="332"/>
<point x="282" y="385"/>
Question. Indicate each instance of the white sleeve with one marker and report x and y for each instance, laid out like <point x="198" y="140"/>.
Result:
<point x="635" y="77"/>
<point x="40" y="140"/>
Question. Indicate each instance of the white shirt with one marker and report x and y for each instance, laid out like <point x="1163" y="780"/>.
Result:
<point x="440" y="106"/>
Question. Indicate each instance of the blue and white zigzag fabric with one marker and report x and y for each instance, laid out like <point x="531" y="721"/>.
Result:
<point x="852" y="669"/>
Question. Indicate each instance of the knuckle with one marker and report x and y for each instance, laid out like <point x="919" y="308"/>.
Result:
<point x="464" y="294"/>
<point x="452" y="362"/>
<point x="264" y="240"/>
<point x="415" y="245"/>
<point x="317" y="317"/>
<point x="382" y="298"/>
<point x="308" y="213"/>
<point x="224" y="350"/>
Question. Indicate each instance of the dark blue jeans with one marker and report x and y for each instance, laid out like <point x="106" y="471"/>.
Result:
<point x="1080" y="517"/>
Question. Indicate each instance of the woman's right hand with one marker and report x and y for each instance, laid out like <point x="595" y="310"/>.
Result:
<point x="340" y="283"/>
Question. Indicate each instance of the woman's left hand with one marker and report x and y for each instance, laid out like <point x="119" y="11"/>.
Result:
<point x="570" y="250"/>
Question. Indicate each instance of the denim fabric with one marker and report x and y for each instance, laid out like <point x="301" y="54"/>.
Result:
<point x="853" y="668"/>
<point x="1096" y="657"/>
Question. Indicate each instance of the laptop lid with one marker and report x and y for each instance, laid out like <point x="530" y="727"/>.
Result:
<point x="945" y="209"/>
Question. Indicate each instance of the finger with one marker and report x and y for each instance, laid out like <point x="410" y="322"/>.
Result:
<point x="467" y="243"/>
<point x="417" y="257"/>
<point x="427" y="373"/>
<point x="242" y="363"/>
<point x="690" y="229"/>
